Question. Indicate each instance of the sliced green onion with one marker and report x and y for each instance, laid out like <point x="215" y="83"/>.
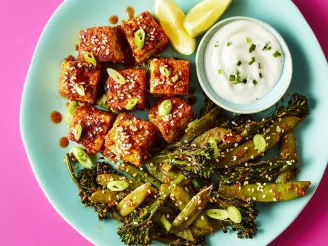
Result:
<point x="164" y="108"/>
<point x="88" y="56"/>
<point x="237" y="72"/>
<point x="77" y="131"/>
<point x="115" y="111"/>
<point x="251" y="61"/>
<point x="214" y="146"/>
<point x="219" y="71"/>
<point x="164" y="71"/>
<point x="239" y="63"/>
<point x="69" y="112"/>
<point x="166" y="223"/>
<point x="260" y="75"/>
<point x="174" y="78"/>
<point x="117" y="185"/>
<point x="254" y="82"/>
<point x="79" y="89"/>
<point x="218" y="214"/>
<point x="244" y="81"/>
<point x="229" y="43"/>
<point x="238" y="79"/>
<point x="259" y="65"/>
<point x="234" y="214"/>
<point x="102" y="102"/>
<point x="131" y="103"/>
<point x="139" y="38"/>
<point x="248" y="40"/>
<point x="82" y="157"/>
<point x="252" y="48"/>
<point x="276" y="54"/>
<point x="259" y="142"/>
<point x="116" y="76"/>
<point x="232" y="78"/>
<point x="267" y="47"/>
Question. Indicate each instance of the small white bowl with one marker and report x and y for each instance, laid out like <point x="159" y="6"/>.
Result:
<point x="268" y="100"/>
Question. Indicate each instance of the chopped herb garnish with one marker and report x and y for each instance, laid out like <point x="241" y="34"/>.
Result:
<point x="232" y="78"/>
<point x="267" y="47"/>
<point x="219" y="71"/>
<point x="260" y="74"/>
<point x="238" y="79"/>
<point x="252" y="48"/>
<point x="259" y="65"/>
<point x="244" y="81"/>
<point x="216" y="45"/>
<point x="254" y="82"/>
<point x="276" y="54"/>
<point x="237" y="72"/>
<point x="239" y="63"/>
<point x="251" y="61"/>
<point x="248" y="40"/>
<point x="229" y="43"/>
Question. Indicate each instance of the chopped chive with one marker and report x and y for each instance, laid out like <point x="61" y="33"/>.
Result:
<point x="276" y="54"/>
<point x="252" y="48"/>
<point x="260" y="74"/>
<point x="219" y="71"/>
<point x="232" y="78"/>
<point x="216" y="45"/>
<point x="259" y="65"/>
<point x="254" y="82"/>
<point x="238" y="79"/>
<point x="239" y="63"/>
<point x="237" y="72"/>
<point x="139" y="38"/>
<point x="229" y="43"/>
<point x="267" y="47"/>
<point x="248" y="40"/>
<point x="244" y="81"/>
<point x="252" y="61"/>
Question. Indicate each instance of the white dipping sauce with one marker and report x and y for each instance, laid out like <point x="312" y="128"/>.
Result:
<point x="229" y="46"/>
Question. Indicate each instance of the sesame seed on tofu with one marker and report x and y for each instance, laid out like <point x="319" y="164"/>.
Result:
<point x="171" y="126"/>
<point x="95" y="124"/>
<point x="176" y="83"/>
<point x="79" y="80"/>
<point x="155" y="37"/>
<point x="129" y="139"/>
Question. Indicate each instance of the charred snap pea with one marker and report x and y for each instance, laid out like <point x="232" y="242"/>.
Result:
<point x="216" y="134"/>
<point x="106" y="196"/>
<point x="117" y="185"/>
<point x="133" y="200"/>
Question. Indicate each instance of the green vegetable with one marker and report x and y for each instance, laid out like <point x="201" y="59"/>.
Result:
<point x="102" y="102"/>
<point x="164" y="108"/>
<point x="214" y="146"/>
<point x="107" y="197"/>
<point x="239" y="63"/>
<point x="232" y="77"/>
<point x="228" y="44"/>
<point x="276" y="54"/>
<point x="131" y="103"/>
<point x="116" y="76"/>
<point x="166" y="223"/>
<point x="139" y="38"/>
<point x="82" y="157"/>
<point x="234" y="214"/>
<point x="259" y="142"/>
<point x="88" y="56"/>
<point x="252" y="48"/>
<point x="219" y="71"/>
<point x="260" y="75"/>
<point x="219" y="214"/>
<point x="77" y="131"/>
<point x="251" y="61"/>
<point x="164" y="71"/>
<point x="248" y="40"/>
<point x="79" y="89"/>
<point x="117" y="185"/>
<point x="69" y="112"/>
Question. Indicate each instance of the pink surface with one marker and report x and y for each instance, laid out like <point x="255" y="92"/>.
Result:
<point x="26" y="217"/>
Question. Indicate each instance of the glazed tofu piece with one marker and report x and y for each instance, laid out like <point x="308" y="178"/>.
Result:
<point x="169" y="77"/>
<point x="104" y="42"/>
<point x="119" y="96"/>
<point x="155" y="37"/>
<point x="173" y="125"/>
<point x="129" y="139"/>
<point x="95" y="124"/>
<point x="79" y="80"/>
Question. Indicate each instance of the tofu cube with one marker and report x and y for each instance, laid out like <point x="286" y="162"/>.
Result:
<point x="173" y="125"/>
<point x="176" y="83"/>
<point x="155" y="37"/>
<point x="79" y="80"/>
<point x="118" y="95"/>
<point x="95" y="124"/>
<point x="129" y="139"/>
<point x="103" y="42"/>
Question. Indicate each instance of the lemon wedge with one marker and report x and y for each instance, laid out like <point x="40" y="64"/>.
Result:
<point x="203" y="15"/>
<point x="171" y="18"/>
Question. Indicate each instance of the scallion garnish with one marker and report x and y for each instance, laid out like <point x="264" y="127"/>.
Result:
<point x="90" y="58"/>
<point x="267" y="47"/>
<point x="251" y="61"/>
<point x="259" y="65"/>
<point x="139" y="38"/>
<point x="254" y="82"/>
<point x="229" y="43"/>
<point x="252" y="48"/>
<point x="237" y="72"/>
<point x="219" y="71"/>
<point x="239" y="63"/>
<point x="260" y="74"/>
<point x="244" y="81"/>
<point x="232" y="77"/>
<point x="216" y="45"/>
<point x="248" y="40"/>
<point x="276" y="54"/>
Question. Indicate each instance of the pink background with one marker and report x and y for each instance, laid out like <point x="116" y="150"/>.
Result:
<point x="26" y="217"/>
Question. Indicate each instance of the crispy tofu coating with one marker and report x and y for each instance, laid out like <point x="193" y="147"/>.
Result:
<point x="176" y="83"/>
<point x="129" y="139"/>
<point x="119" y="95"/>
<point x="155" y="38"/>
<point x="95" y="124"/>
<point x="105" y="43"/>
<point x="79" y="80"/>
<point x="173" y="125"/>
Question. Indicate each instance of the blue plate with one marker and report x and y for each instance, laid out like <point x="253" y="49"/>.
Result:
<point x="40" y="97"/>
